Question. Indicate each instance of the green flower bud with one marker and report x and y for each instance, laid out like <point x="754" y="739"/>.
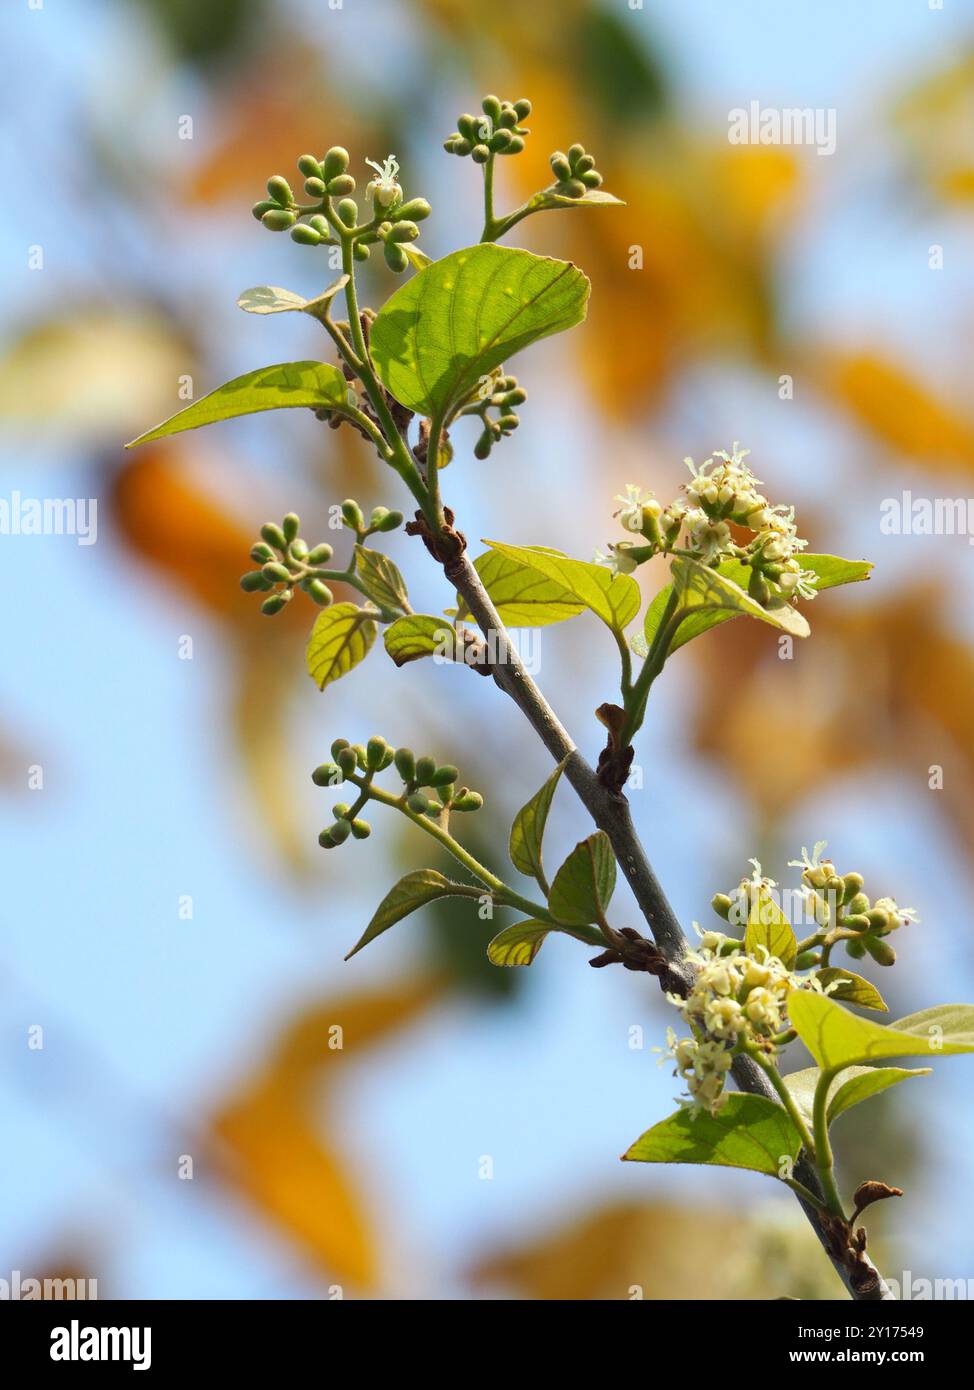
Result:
<point x="508" y="116"/>
<point x="880" y="950"/>
<point x="320" y="224"/>
<point x="462" y="146"/>
<point x="334" y="163"/>
<point x="291" y="526"/>
<point x="858" y="904"/>
<point x="722" y="905"/>
<point x="277" y="220"/>
<point x="389" y="521"/>
<point x="575" y="153"/>
<point x="405" y="764"/>
<point x="348" y="211"/>
<point x="261" y="552"/>
<point x="352" y="515"/>
<point x="360" y="756"/>
<point x="260" y="208"/>
<point x="853" y="885"/>
<point x="468" y="126"/>
<point x="339" y="746"/>
<point x="806" y="960"/>
<point x="515" y="147"/>
<point x="522" y="109"/>
<point x="315" y="188"/>
<point x="560" y="166"/>
<point x="516" y="397"/>
<point x="584" y="164"/>
<point x="361" y="251"/>
<point x="855" y="949"/>
<point x="305" y="235"/>
<point x="467" y="801"/>
<point x="309" y="166"/>
<point x="276" y="572"/>
<point x="757" y="587"/>
<point x="879" y="921"/>
<point x="447" y="793"/>
<point x="591" y="179"/>
<point x="280" y="191"/>
<point x="342" y="186"/>
<point x="325" y="840"/>
<point x="375" y="751"/>
<point x="404" y="231"/>
<point x="444" y="775"/>
<point x="500" y="140"/>
<point x="298" y="550"/>
<point x="857" y="922"/>
<point x="361" y="829"/>
<point x="508" y="423"/>
<point x="327" y="775"/>
<point x="320" y="555"/>
<point x="319" y="591"/>
<point x="347" y="761"/>
<point x="250" y="583"/>
<point x="574" y="188"/>
<point x="340" y="810"/>
<point x="418" y="802"/>
<point x="491" y="106"/>
<point x="275" y="603"/>
<point x="425" y="768"/>
<point x="483" y="446"/>
<point x="395" y="257"/>
<point x="417" y="210"/>
<point x="340" y="831"/>
<point x="451" y="142"/>
<point x="480" y="154"/>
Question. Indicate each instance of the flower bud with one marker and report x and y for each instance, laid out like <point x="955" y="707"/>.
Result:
<point x="252" y="582"/>
<point x="483" y="446"/>
<point x="522" y="109"/>
<point x="508" y="116"/>
<point x="278" y="220"/>
<point x="879" y="921"/>
<point x="352" y="515"/>
<point x="291" y="526"/>
<point x="340" y="831"/>
<point x="574" y="188"/>
<point x="334" y="163"/>
<point x="260" y="208"/>
<point x="591" y="179"/>
<point x="858" y="921"/>
<point x="361" y="251"/>
<point x="341" y="186"/>
<point x="560" y="166"/>
<point x="880" y="950"/>
<point x="425" y="769"/>
<point x="405" y="764"/>
<point x="444" y="775"/>
<point x="346" y="760"/>
<point x="491" y="107"/>
<point x="468" y="126"/>
<point x="340" y="810"/>
<point x="508" y="423"/>
<point x="805" y="960"/>
<point x="375" y="751"/>
<point x="500" y="140"/>
<point x="480" y="154"/>
<point x="515" y="147"/>
<point x="418" y="803"/>
<point x="309" y="166"/>
<point x="417" y="210"/>
<point x="362" y="761"/>
<point x="315" y="188"/>
<point x="462" y="146"/>
<point x="361" y="829"/>
<point x="853" y="885"/>
<point x="395" y="257"/>
<point x="319" y="591"/>
<point x="327" y="775"/>
<point x="575" y="153"/>
<point x="584" y="165"/>
<point x="261" y="552"/>
<point x="404" y="231"/>
<point x="467" y="800"/>
<point x="280" y="191"/>
<point x="298" y="550"/>
<point x="722" y="904"/>
<point x="320" y="555"/>
<point x="858" y="904"/>
<point x="276" y="572"/>
<point x="276" y="602"/>
<point x="304" y="235"/>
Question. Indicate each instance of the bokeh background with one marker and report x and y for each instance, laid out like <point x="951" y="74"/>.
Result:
<point x="166" y="779"/>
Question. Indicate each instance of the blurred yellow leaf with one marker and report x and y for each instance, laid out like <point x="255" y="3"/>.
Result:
<point x="936" y="121"/>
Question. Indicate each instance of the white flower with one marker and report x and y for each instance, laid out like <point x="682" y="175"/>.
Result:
<point x="618" y="561"/>
<point x="890" y="905"/>
<point x="812" y="861"/>
<point x="630" y="514"/>
<point x="385" y="189"/>
<point x="708" y="538"/>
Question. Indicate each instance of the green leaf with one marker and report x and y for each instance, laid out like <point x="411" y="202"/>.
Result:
<point x="268" y="299"/>
<point x="837" y="1038"/>
<point x="592" y="198"/>
<point x="464" y="315"/>
<point x="768" y="926"/>
<point x="417" y="259"/>
<point x="341" y="637"/>
<point x="421" y="634"/>
<point x="381" y="578"/>
<point x="748" y="1132"/>
<point x="519" y="943"/>
<point x="583" y="885"/>
<point x="852" y="988"/>
<point x="830" y="569"/>
<point x="522" y="595"/>
<point x="614" y="598"/>
<point x="415" y="890"/>
<point x="711" y="591"/>
<point x="286" y="386"/>
<point x="527" y="831"/>
<point x="857" y="1084"/>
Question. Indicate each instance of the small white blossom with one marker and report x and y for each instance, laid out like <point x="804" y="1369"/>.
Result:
<point x="384" y="189"/>
<point x="630" y="514"/>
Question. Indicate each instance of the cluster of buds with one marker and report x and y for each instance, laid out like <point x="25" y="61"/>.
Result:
<point x="497" y="131"/>
<point x="500" y="392"/>
<point x="841" y="907"/>
<point x="393" y="222"/>
<point x="381" y="519"/>
<point x="287" y="563"/>
<point x="429" y="789"/>
<point x="722" y="492"/>
<point x="736" y="999"/>
<point x="575" y="172"/>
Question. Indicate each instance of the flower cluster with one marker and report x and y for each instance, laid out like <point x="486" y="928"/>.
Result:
<point x="497" y="131"/>
<point x="736" y="999"/>
<point x="844" y="912"/>
<point x="722" y="492"/>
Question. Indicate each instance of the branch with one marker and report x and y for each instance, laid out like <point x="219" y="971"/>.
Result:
<point x="610" y="812"/>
